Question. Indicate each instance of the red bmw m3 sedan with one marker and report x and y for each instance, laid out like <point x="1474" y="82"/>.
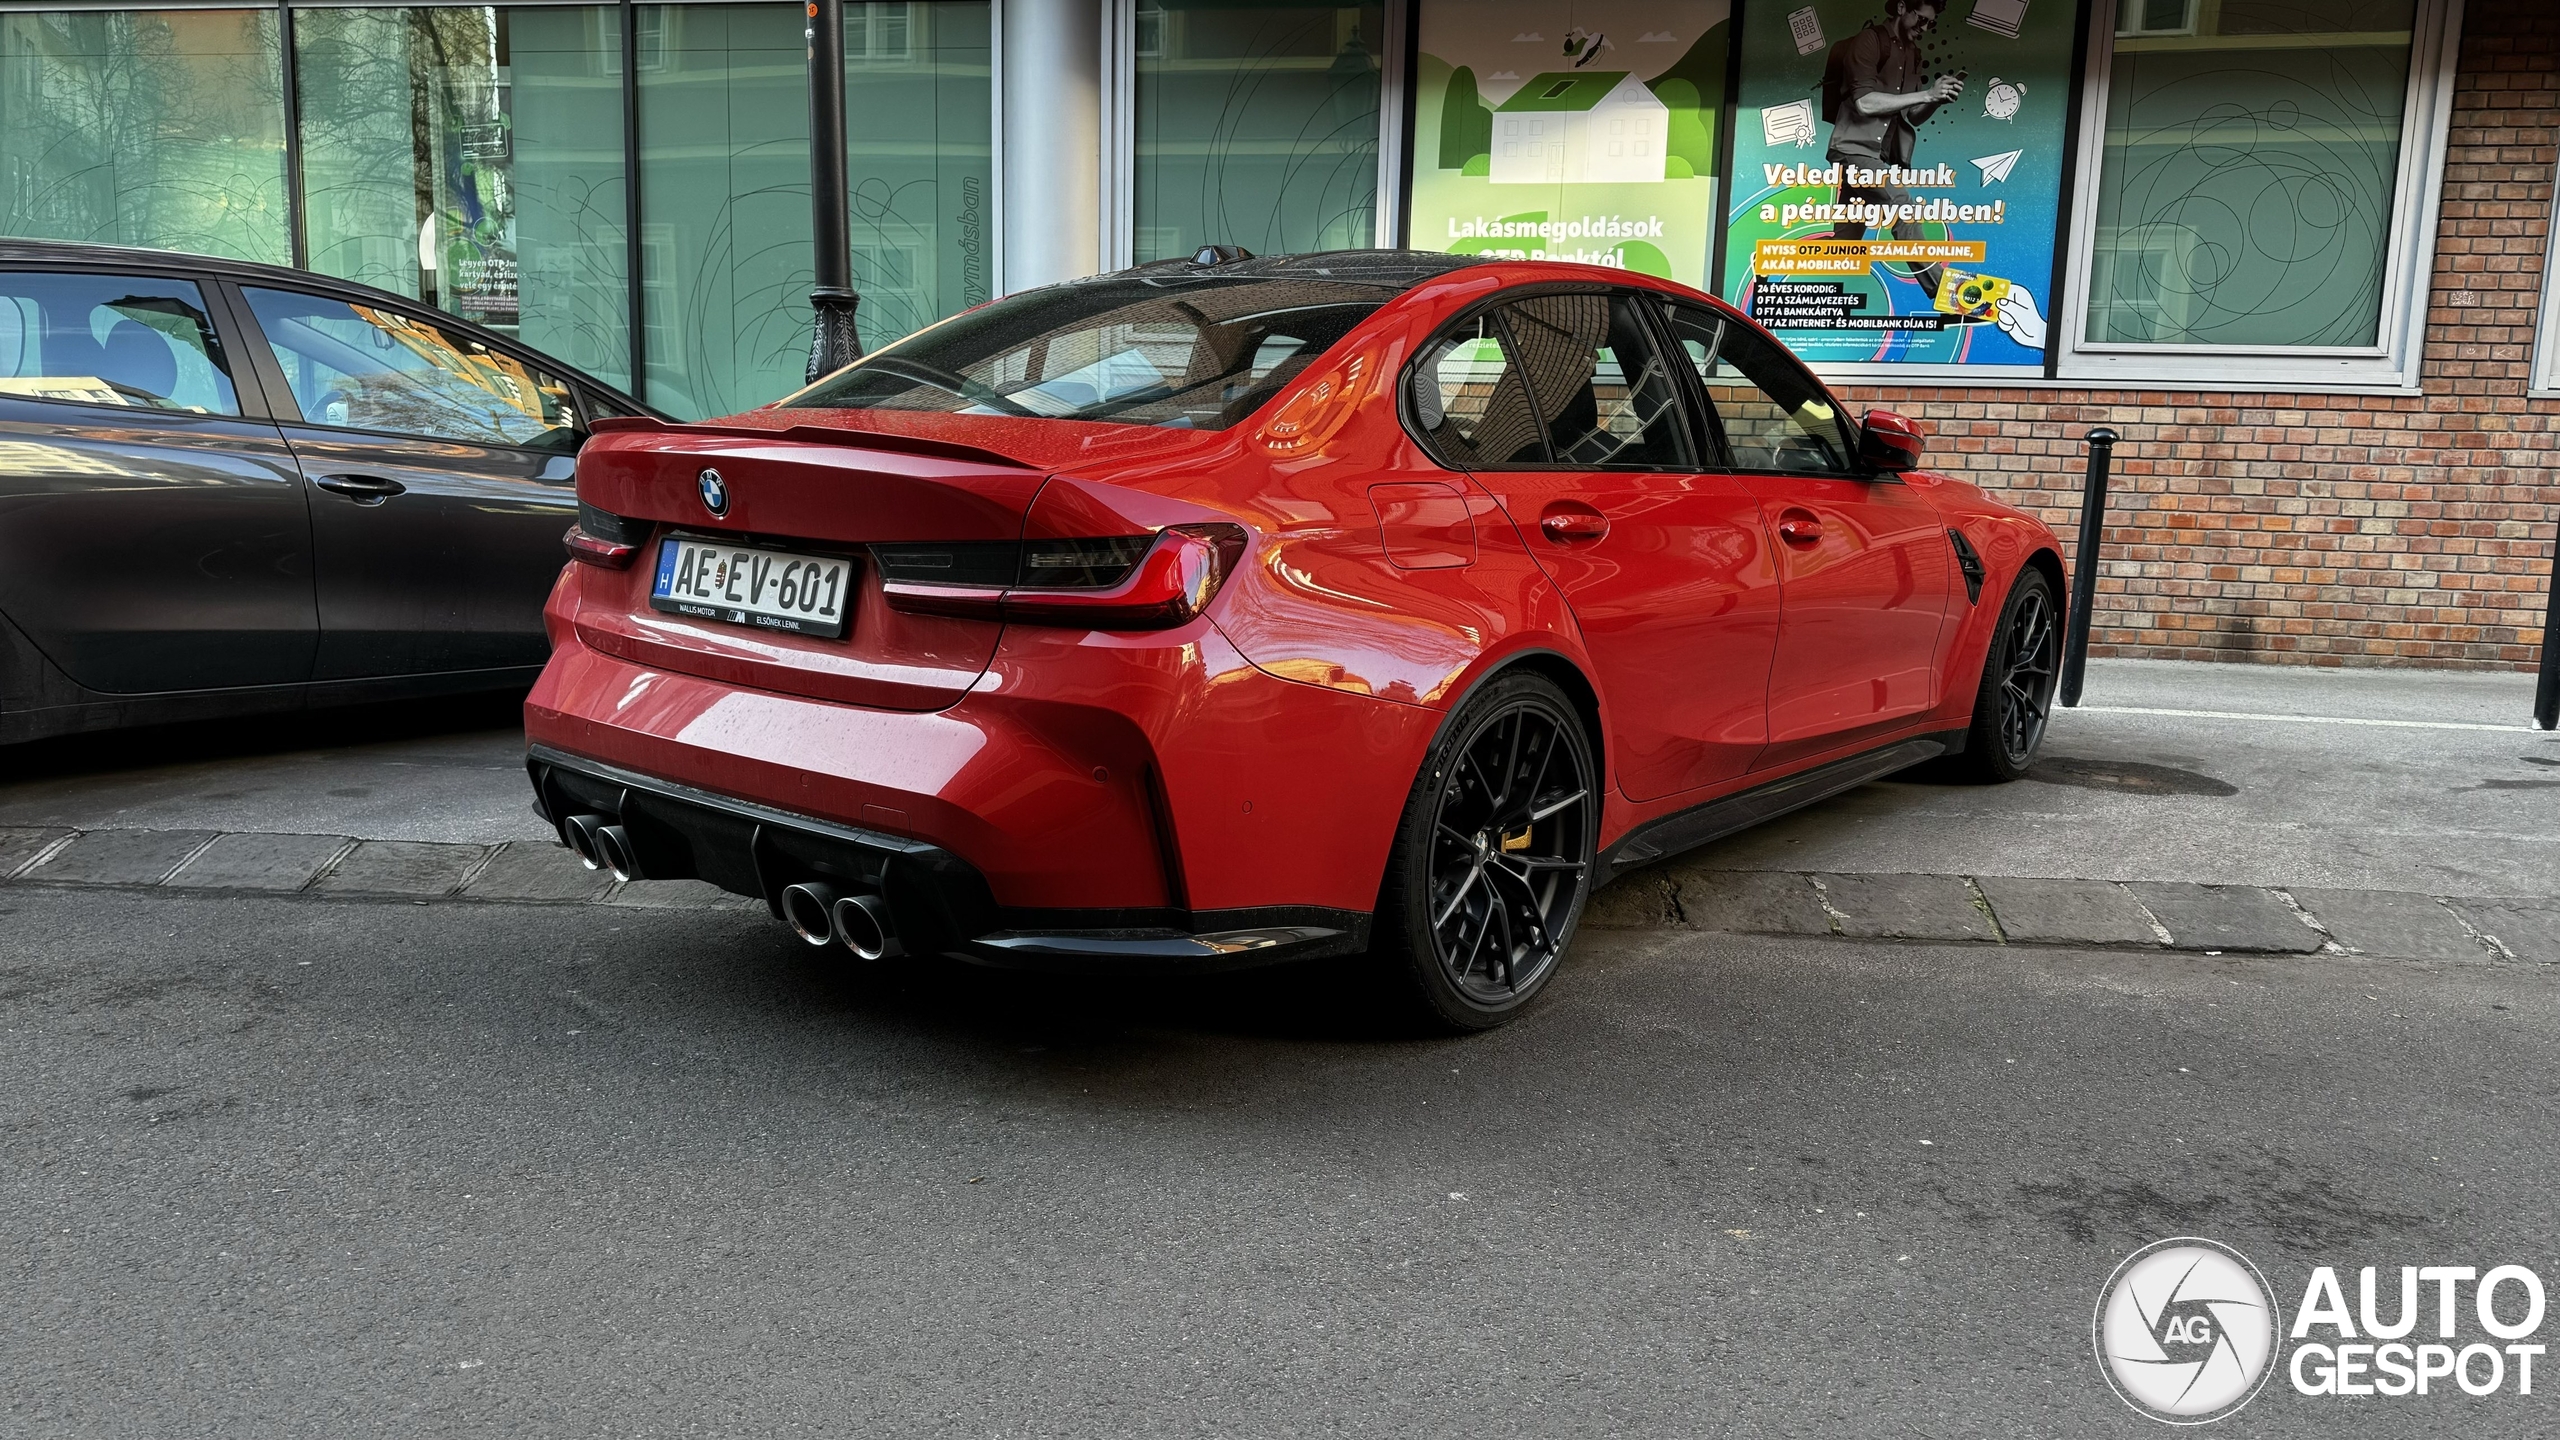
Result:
<point x="1238" y="610"/>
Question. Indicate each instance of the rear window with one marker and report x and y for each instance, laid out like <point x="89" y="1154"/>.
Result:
<point x="1193" y="353"/>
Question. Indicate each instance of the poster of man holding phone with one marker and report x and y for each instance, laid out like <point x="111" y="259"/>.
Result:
<point x="1877" y="94"/>
<point x="1897" y="177"/>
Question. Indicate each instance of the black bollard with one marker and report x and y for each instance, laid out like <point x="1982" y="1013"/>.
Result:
<point x="2546" y="691"/>
<point x="2084" y="568"/>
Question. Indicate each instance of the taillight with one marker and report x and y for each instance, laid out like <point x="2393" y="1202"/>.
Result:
<point x="1121" y="582"/>
<point x="603" y="538"/>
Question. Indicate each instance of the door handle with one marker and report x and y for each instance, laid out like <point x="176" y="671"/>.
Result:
<point x="1799" y="528"/>
<point x="362" y="489"/>
<point x="1568" y="524"/>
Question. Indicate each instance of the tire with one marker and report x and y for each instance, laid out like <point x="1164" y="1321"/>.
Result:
<point x="1493" y="858"/>
<point x="2015" y="699"/>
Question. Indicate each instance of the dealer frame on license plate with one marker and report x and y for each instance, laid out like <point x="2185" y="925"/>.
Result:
<point x="712" y="578"/>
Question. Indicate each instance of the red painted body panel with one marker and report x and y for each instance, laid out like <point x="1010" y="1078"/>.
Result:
<point x="1259" y="755"/>
<point x="1866" y="592"/>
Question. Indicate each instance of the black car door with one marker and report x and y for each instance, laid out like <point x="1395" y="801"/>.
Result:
<point x="153" y="534"/>
<point x="440" y="469"/>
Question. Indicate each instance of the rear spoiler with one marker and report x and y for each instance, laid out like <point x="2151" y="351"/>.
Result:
<point x="813" y="435"/>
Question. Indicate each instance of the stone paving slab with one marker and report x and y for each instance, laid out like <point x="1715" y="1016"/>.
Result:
<point x="2067" y="912"/>
<point x="2392" y="924"/>
<point x="414" y="869"/>
<point x="120" y="857"/>
<point x="1905" y="907"/>
<point x="279" y="863"/>
<point x="2530" y="929"/>
<point x="1925" y="907"/>
<point x="537" y="870"/>
<point x="2226" y="917"/>
<point x="1749" y="902"/>
<point x="18" y="846"/>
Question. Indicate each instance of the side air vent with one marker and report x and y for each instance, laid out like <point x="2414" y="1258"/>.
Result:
<point x="1971" y="564"/>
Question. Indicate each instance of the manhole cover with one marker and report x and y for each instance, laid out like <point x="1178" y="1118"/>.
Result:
<point x="2131" y="777"/>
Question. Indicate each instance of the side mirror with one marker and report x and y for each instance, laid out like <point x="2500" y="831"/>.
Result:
<point x="1886" y="441"/>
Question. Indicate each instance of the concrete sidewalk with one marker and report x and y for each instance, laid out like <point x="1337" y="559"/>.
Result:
<point x="2199" y="807"/>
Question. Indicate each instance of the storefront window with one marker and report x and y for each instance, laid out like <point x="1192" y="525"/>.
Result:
<point x="2251" y="156"/>
<point x="919" y="122"/>
<point x="1257" y="125"/>
<point x="157" y="128"/>
<point x="724" y="196"/>
<point x="472" y="157"/>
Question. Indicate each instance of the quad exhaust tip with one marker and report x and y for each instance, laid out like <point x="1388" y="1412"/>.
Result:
<point x="808" y="909"/>
<point x="578" y="832"/>
<point x="613" y="852"/>
<point x="863" y="924"/>
<point x="823" y="915"/>
<point x="600" y="844"/>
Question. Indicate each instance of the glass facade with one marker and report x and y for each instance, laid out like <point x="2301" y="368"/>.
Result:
<point x="447" y="152"/>
<point x="1257" y="125"/>
<point x="160" y="128"/>
<point x="626" y="185"/>
<point x="2252" y="155"/>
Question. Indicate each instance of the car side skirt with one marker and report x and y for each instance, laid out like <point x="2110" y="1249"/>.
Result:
<point x="1702" y="824"/>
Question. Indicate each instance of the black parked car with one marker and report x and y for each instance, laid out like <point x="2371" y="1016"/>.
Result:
<point x="229" y="488"/>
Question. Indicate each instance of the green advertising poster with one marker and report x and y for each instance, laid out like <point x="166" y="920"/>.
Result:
<point x="1897" y="177"/>
<point x="1570" y="130"/>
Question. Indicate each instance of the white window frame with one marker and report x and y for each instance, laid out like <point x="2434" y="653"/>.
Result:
<point x="1120" y="128"/>
<point x="2391" y="364"/>
<point x="2543" y="381"/>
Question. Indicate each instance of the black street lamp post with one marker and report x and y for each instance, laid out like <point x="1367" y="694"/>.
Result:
<point x="834" y="343"/>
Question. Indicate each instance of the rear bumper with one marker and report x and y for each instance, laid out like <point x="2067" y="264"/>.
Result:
<point x="941" y="902"/>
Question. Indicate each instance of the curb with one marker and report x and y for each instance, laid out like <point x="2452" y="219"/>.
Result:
<point x="1962" y="909"/>
<point x="520" y="872"/>
<point x="2102" y="914"/>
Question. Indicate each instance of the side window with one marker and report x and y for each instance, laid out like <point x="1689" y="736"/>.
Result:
<point x="1606" y="396"/>
<point x="119" y="340"/>
<point x="1775" y="415"/>
<point x="375" y="369"/>
<point x="1473" y="407"/>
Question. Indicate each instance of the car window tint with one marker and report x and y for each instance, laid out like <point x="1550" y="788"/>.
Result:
<point x="111" y="340"/>
<point x="376" y="369"/>
<point x="1471" y="403"/>
<point x="1775" y="415"/>
<point x="1186" y="352"/>
<point x="1606" y="397"/>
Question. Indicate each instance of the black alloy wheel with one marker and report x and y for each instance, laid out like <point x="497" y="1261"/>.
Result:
<point x="2015" y="702"/>
<point x="1494" y="858"/>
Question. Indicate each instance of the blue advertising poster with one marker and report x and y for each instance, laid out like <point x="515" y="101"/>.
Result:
<point x="1897" y="177"/>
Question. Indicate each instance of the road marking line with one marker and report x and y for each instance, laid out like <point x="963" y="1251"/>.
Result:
<point x="2302" y="719"/>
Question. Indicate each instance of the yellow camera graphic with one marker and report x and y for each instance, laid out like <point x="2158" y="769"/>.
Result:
<point x="1969" y="296"/>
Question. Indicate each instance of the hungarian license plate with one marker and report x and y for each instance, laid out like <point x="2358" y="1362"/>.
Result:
<point x="745" y="585"/>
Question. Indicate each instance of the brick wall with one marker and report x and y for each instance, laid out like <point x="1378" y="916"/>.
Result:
<point x="2332" y="529"/>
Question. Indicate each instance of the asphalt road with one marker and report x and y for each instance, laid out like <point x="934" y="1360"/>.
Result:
<point x="295" y="1167"/>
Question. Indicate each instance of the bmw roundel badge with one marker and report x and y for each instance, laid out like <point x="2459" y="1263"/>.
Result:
<point x="715" y="492"/>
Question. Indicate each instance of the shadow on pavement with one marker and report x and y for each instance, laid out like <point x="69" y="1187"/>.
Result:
<point x="105" y="751"/>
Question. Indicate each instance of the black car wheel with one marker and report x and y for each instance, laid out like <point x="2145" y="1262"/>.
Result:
<point x="2018" y="675"/>
<point x="1493" y="858"/>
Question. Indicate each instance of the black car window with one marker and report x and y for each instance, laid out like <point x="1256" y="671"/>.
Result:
<point x="1608" y="400"/>
<point x="371" y="368"/>
<point x="1774" y="414"/>
<point x="1471" y="403"/>
<point x="111" y="340"/>
<point x="1185" y="352"/>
